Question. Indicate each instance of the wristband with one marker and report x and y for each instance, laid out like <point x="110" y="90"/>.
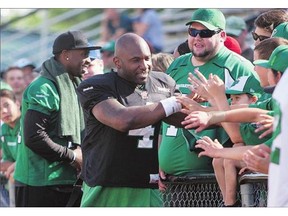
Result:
<point x="170" y="106"/>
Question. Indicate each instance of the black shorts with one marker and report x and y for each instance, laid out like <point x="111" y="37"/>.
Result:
<point x="43" y="196"/>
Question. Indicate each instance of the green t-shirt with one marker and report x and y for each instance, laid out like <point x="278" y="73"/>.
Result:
<point x="266" y="104"/>
<point x="249" y="136"/>
<point x="32" y="169"/>
<point x="10" y="138"/>
<point x="174" y="155"/>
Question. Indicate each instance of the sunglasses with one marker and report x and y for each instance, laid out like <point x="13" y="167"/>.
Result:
<point x="260" y="37"/>
<point x="203" y="33"/>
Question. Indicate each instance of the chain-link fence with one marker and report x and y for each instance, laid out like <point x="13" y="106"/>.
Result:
<point x="202" y="190"/>
<point x="253" y="189"/>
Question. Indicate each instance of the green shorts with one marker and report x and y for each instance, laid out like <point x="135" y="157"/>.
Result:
<point x="120" y="197"/>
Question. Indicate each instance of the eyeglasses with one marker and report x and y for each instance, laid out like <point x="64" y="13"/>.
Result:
<point x="202" y="33"/>
<point x="260" y="37"/>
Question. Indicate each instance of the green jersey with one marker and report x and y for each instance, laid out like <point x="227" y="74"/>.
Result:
<point x="175" y="155"/>
<point x="32" y="169"/>
<point x="10" y="138"/>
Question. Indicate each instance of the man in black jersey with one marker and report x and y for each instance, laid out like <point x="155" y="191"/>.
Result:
<point x="123" y="111"/>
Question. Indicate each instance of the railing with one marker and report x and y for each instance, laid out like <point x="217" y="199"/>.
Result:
<point x="253" y="189"/>
<point x="202" y="190"/>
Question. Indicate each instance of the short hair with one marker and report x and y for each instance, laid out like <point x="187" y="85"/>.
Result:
<point x="269" y="20"/>
<point x="8" y="93"/>
<point x="183" y="48"/>
<point x="10" y="69"/>
<point x="266" y="47"/>
<point x="161" y="61"/>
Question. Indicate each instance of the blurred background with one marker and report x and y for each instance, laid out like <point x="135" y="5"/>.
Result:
<point x="29" y="33"/>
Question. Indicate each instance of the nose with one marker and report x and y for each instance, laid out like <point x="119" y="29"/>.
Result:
<point x="198" y="35"/>
<point x="144" y="64"/>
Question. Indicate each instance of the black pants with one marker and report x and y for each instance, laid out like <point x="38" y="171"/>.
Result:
<point x="43" y="196"/>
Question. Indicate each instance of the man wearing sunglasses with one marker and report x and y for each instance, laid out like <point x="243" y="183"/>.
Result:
<point x="266" y="22"/>
<point x="206" y="36"/>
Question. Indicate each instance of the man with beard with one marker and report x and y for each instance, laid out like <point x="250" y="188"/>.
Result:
<point x="123" y="112"/>
<point x="49" y="156"/>
<point x="206" y="36"/>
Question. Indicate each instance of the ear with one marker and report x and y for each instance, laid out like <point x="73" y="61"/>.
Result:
<point x="254" y="99"/>
<point x="65" y="55"/>
<point x="18" y="104"/>
<point x="223" y="36"/>
<point x="278" y="76"/>
<point x="117" y="62"/>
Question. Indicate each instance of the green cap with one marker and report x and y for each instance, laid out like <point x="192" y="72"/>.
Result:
<point x="235" y="25"/>
<point x="4" y="85"/>
<point x="212" y="19"/>
<point x="109" y="47"/>
<point x="277" y="61"/>
<point x="281" y="31"/>
<point x="245" y="85"/>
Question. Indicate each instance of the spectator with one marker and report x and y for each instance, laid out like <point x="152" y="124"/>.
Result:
<point x="244" y="90"/>
<point x="236" y="27"/>
<point x="114" y="24"/>
<point x="161" y="61"/>
<point x="266" y="22"/>
<point x="10" y="134"/>
<point x="181" y="49"/>
<point x="14" y="77"/>
<point x="278" y="65"/>
<point x="49" y="157"/>
<point x="96" y="66"/>
<point x="107" y="54"/>
<point x="277" y="197"/>
<point x="206" y="40"/>
<point x="148" y="25"/>
<point x="263" y="51"/>
<point x="122" y="115"/>
<point x="28" y="69"/>
<point x="25" y="65"/>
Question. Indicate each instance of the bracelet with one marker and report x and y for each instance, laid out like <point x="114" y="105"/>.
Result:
<point x="74" y="157"/>
<point x="170" y="105"/>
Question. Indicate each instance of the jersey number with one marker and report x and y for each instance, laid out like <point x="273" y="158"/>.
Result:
<point x="146" y="133"/>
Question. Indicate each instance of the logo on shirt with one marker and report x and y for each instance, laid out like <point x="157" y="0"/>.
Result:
<point x="183" y="86"/>
<point x="41" y="96"/>
<point x="88" y="88"/>
<point x="163" y="89"/>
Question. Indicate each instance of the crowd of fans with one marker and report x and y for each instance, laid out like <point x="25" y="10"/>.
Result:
<point x="219" y="80"/>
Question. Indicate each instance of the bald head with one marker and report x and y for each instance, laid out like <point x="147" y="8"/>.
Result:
<point x="130" y="42"/>
<point x="132" y="58"/>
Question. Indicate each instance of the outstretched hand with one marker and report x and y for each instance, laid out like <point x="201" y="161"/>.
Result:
<point x="189" y="105"/>
<point x="258" y="158"/>
<point x="209" y="147"/>
<point x="198" y="120"/>
<point x="265" y="124"/>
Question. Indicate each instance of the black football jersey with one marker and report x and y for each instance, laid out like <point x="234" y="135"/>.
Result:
<point x="121" y="159"/>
